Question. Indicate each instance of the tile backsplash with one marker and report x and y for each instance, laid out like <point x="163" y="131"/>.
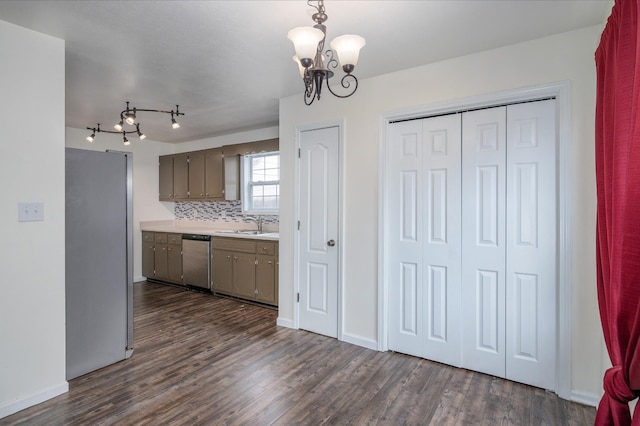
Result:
<point x="217" y="211"/>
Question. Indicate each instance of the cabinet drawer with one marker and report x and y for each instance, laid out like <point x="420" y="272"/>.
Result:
<point x="266" y="248"/>
<point x="161" y="237"/>
<point x="234" y="244"/>
<point x="147" y="236"/>
<point x="174" y="238"/>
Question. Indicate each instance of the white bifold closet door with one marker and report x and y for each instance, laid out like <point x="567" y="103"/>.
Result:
<point x="424" y="252"/>
<point x="471" y="220"/>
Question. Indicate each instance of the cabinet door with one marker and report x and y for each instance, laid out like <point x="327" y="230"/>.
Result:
<point x="180" y="176"/>
<point x="161" y="261"/>
<point x="196" y="175"/>
<point x="165" y="182"/>
<point x="214" y="174"/>
<point x="174" y="263"/>
<point x="265" y="279"/>
<point x="222" y="271"/>
<point x="147" y="259"/>
<point x="244" y="275"/>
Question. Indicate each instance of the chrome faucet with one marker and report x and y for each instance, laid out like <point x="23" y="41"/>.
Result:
<point x="257" y="220"/>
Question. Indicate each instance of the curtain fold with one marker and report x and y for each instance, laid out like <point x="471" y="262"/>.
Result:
<point x="618" y="210"/>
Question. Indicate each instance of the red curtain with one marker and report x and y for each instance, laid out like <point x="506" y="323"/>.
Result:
<point x="618" y="215"/>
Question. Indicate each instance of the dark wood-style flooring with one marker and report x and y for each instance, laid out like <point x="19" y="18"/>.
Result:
<point x="205" y="360"/>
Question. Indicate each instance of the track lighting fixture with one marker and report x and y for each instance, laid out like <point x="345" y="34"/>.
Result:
<point x="128" y="116"/>
<point x="309" y="45"/>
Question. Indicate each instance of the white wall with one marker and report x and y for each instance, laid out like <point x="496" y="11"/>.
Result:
<point x="564" y="57"/>
<point x="32" y="299"/>
<point x="145" y="180"/>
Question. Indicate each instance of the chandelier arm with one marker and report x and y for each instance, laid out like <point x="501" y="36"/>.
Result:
<point x="345" y="83"/>
<point x="319" y="7"/>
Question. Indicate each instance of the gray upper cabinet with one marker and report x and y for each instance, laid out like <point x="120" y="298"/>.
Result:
<point x="211" y="174"/>
<point x="196" y="175"/>
<point x="214" y="174"/>
<point x="165" y="185"/>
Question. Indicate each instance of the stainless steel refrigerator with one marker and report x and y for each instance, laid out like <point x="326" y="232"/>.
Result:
<point x="99" y="259"/>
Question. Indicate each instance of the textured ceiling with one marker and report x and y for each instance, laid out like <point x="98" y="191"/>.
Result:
<point x="226" y="63"/>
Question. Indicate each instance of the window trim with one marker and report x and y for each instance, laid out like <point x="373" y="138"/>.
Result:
<point x="247" y="183"/>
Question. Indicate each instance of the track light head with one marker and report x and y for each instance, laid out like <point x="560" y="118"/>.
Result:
<point x="141" y="135"/>
<point x="91" y="137"/>
<point x="125" y="141"/>
<point x="174" y="124"/>
<point x="118" y="126"/>
<point x="130" y="118"/>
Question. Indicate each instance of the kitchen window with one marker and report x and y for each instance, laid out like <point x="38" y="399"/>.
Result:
<point x="261" y="183"/>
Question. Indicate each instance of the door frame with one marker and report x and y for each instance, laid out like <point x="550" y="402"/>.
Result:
<point x="296" y="240"/>
<point x="561" y="91"/>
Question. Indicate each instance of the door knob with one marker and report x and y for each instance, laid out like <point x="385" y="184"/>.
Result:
<point x="331" y="243"/>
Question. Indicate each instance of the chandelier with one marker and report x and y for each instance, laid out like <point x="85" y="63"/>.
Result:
<point x="309" y="45"/>
<point x="128" y="116"/>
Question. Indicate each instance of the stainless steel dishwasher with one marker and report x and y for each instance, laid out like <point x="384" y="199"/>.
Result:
<point x="196" y="261"/>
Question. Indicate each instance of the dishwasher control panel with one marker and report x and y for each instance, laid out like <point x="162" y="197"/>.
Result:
<point x="196" y="237"/>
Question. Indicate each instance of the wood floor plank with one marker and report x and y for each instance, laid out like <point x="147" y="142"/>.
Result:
<point x="206" y="360"/>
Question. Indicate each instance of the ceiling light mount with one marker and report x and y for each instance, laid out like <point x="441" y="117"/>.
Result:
<point x="310" y="56"/>
<point x="128" y="116"/>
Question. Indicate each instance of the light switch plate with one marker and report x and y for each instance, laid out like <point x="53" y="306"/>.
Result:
<point x="30" y="212"/>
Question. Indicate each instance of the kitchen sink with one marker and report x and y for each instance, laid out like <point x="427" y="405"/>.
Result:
<point x="243" y="232"/>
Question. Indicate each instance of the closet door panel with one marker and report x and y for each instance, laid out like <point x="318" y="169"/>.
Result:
<point x="483" y="240"/>
<point x="441" y="255"/>
<point x="531" y="244"/>
<point x="405" y="238"/>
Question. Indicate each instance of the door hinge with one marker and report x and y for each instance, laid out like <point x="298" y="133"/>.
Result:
<point x="298" y="225"/>
<point x="299" y="153"/>
<point x="298" y="297"/>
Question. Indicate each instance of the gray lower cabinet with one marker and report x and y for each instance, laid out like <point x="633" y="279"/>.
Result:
<point x="245" y="269"/>
<point x="162" y="256"/>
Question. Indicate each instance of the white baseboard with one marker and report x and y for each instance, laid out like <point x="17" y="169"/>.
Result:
<point x="138" y="279"/>
<point x="585" y="398"/>
<point x="284" y="322"/>
<point x="29" y="401"/>
<point x="360" y="341"/>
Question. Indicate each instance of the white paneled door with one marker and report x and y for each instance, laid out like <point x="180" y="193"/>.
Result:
<point x="471" y="229"/>
<point x="483" y="239"/>
<point x="531" y="244"/>
<point x="424" y="220"/>
<point x="319" y="239"/>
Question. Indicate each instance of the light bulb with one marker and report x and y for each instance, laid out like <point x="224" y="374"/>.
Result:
<point x="131" y="118"/>
<point x="125" y="141"/>
<point x="174" y="123"/>
<point x="91" y="136"/>
<point x="141" y="136"/>
<point x="118" y="126"/>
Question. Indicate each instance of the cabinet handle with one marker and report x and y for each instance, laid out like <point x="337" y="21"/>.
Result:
<point x="269" y="262"/>
<point x="207" y="194"/>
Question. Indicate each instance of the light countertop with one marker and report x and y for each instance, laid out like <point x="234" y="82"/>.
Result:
<point x="203" y="228"/>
